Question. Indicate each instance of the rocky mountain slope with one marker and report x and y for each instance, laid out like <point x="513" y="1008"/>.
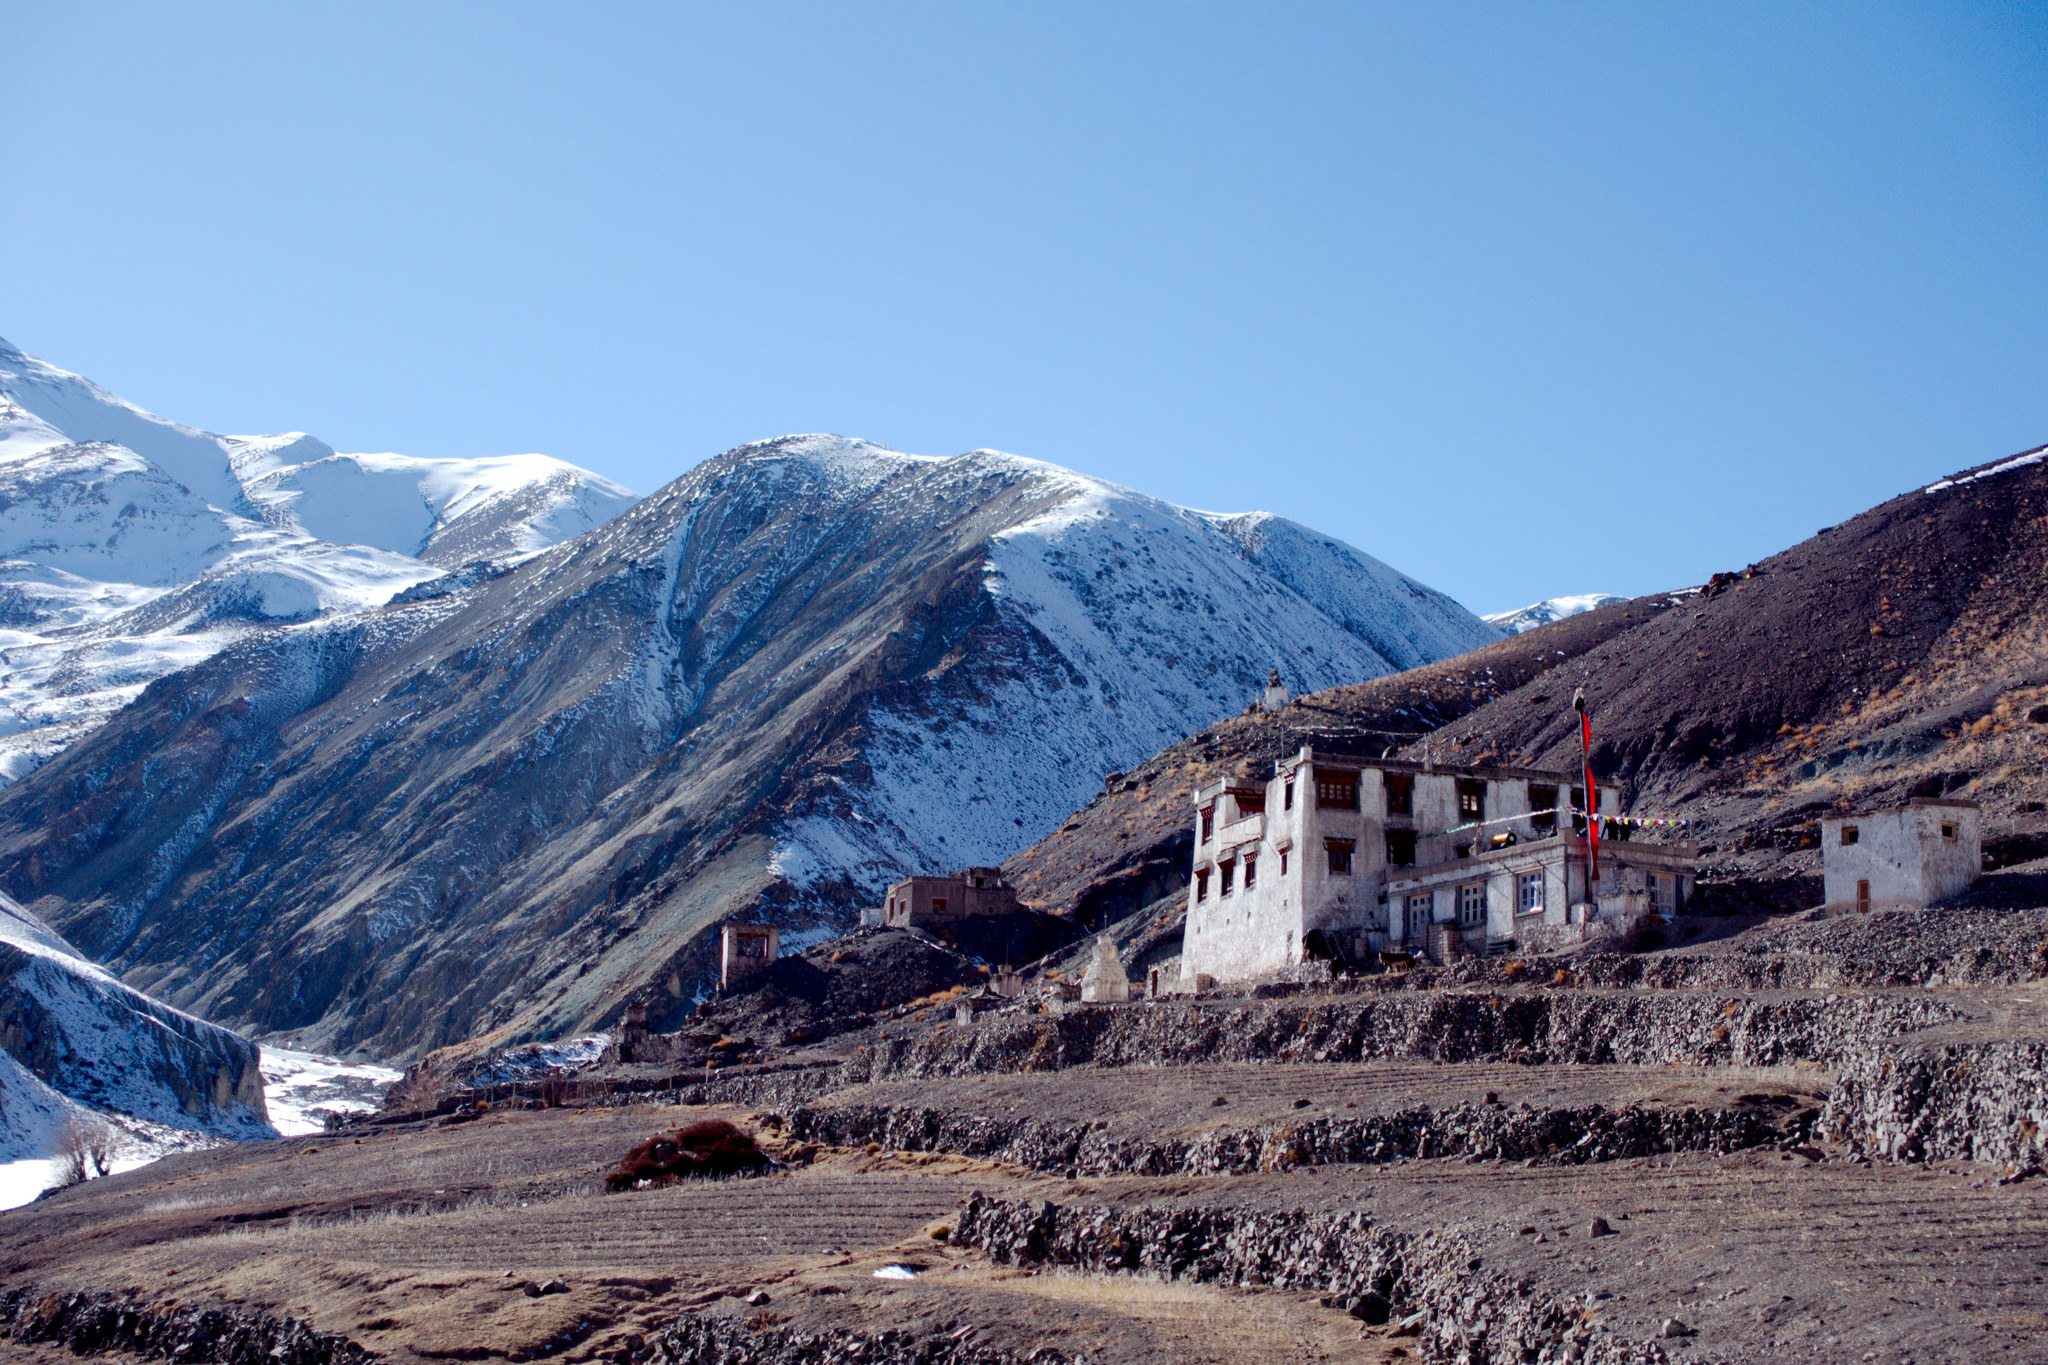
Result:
<point x="807" y="667"/>
<point x="1902" y="652"/>
<point x="131" y="545"/>
<point x="77" y="1045"/>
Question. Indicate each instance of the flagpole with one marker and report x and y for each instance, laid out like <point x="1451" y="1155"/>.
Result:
<point x="1592" y="794"/>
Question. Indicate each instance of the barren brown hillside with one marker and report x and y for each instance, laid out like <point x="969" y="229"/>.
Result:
<point x="1904" y="651"/>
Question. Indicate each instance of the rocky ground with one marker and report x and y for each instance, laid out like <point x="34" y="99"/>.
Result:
<point x="1807" y="1139"/>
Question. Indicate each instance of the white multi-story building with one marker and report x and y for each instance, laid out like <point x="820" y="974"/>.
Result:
<point x="1341" y="857"/>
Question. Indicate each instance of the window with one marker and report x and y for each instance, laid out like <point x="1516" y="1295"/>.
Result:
<point x="1287" y="795"/>
<point x="1400" y="794"/>
<point x="1529" y="894"/>
<point x="1208" y="823"/>
<point x="1201" y="883"/>
<point x="1250" y="803"/>
<point x="1283" y="862"/>
<point x="1850" y="834"/>
<point x="1420" y="907"/>
<point x="1578" y="810"/>
<point x="1543" y="810"/>
<point x="1401" y="848"/>
<point x="1336" y="790"/>
<point x="1340" y="856"/>
<point x="1251" y="870"/>
<point x="1228" y="869"/>
<point x="938" y="905"/>
<point x="1471" y="798"/>
<point x="1948" y="830"/>
<point x="1472" y="904"/>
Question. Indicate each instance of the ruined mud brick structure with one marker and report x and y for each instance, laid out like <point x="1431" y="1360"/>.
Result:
<point x="931" y="902"/>
<point x="1343" y="857"/>
<point x="1908" y="858"/>
<point x="743" y="950"/>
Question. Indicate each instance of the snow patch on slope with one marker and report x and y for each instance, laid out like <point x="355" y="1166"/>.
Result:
<point x="2031" y="457"/>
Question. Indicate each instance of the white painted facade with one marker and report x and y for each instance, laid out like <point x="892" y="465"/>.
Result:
<point x="1337" y="856"/>
<point x="1905" y="859"/>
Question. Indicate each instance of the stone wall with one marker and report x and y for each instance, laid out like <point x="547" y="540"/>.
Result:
<point x="1570" y="1135"/>
<point x="1433" y="1282"/>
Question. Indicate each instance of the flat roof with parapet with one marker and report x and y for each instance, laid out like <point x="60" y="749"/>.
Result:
<point x="1360" y="762"/>
<point x="1941" y="802"/>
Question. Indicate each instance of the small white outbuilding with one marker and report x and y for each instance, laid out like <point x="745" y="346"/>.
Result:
<point x="1909" y="858"/>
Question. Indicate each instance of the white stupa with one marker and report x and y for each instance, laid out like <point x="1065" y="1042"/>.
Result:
<point x="1104" y="982"/>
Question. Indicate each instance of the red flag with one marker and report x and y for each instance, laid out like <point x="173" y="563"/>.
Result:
<point x="1592" y="801"/>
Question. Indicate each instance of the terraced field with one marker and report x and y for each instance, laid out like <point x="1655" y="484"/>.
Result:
<point x="1409" y="1174"/>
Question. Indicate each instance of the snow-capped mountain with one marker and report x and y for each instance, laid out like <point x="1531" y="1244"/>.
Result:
<point x="131" y="545"/>
<point x="1548" y="610"/>
<point x="509" y="802"/>
<point x="79" y="1047"/>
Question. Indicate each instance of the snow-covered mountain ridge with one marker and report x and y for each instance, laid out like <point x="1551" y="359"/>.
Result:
<point x="111" y="516"/>
<point x="1548" y="610"/>
<point x="807" y="666"/>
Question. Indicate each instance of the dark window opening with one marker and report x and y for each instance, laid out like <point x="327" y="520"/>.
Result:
<point x="1251" y="803"/>
<point x="1471" y="799"/>
<point x="1948" y="831"/>
<point x="1208" y="823"/>
<point x="1201" y="883"/>
<point x="1287" y="795"/>
<point x="1400" y="794"/>
<point x="1337" y="791"/>
<point x="1340" y="856"/>
<point x="1228" y="870"/>
<point x="938" y="904"/>
<point x="1543" y="810"/>
<point x="1578" y="810"/>
<point x="1283" y="862"/>
<point x="1850" y="834"/>
<point x="1401" y="847"/>
<point x="1251" y="870"/>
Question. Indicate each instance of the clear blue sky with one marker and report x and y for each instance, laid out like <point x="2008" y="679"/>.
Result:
<point x="1525" y="299"/>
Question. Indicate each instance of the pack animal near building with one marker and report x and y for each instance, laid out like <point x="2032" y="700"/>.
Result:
<point x="1340" y="857"/>
<point x="1907" y="858"/>
<point x="932" y="902"/>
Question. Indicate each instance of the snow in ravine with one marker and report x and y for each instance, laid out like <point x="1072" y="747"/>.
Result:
<point x="300" y="1089"/>
<point x="132" y="546"/>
